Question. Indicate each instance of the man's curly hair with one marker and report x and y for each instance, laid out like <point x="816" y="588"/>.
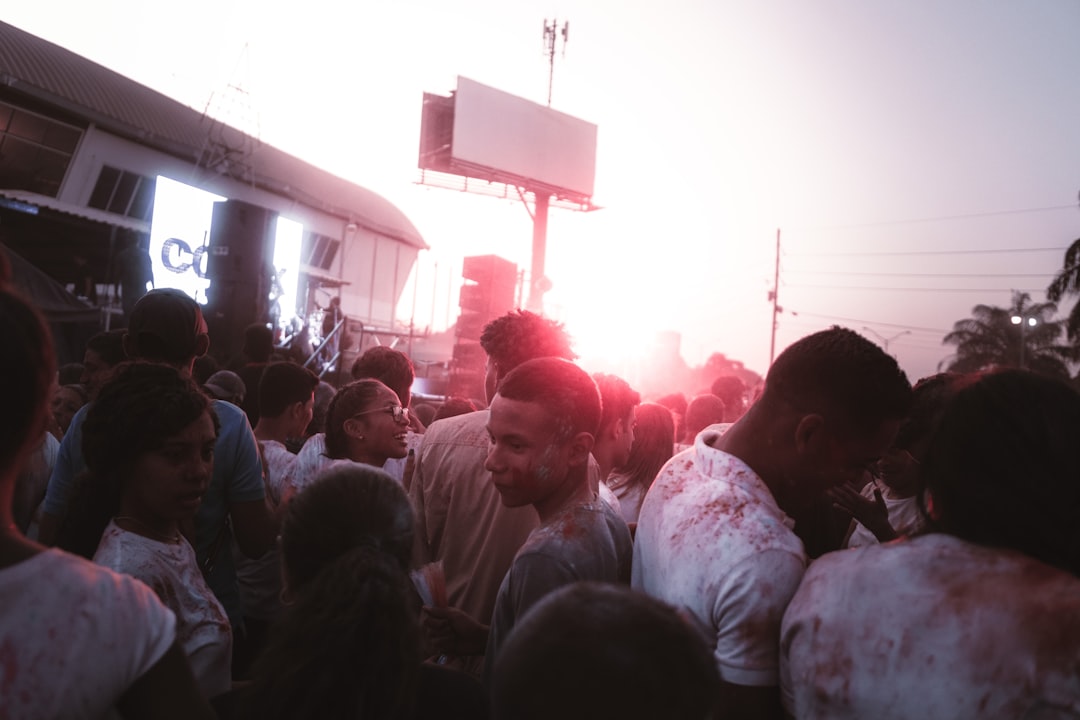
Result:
<point x="521" y="335"/>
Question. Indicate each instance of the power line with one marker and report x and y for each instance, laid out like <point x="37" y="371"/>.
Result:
<point x="926" y="275"/>
<point x="914" y="289"/>
<point x="891" y="253"/>
<point x="869" y="322"/>
<point x="942" y="218"/>
<point x="910" y="341"/>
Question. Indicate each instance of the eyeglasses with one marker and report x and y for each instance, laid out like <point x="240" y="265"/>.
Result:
<point x="401" y="414"/>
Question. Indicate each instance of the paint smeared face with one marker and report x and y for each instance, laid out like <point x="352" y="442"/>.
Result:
<point x="525" y="463"/>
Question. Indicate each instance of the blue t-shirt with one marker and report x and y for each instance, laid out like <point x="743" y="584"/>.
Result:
<point x="237" y="478"/>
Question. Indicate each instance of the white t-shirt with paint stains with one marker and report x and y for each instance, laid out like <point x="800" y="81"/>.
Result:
<point x="711" y="539"/>
<point x="171" y="571"/>
<point x="74" y="636"/>
<point x="932" y="627"/>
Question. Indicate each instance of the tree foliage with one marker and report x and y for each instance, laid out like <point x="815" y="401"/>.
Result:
<point x="989" y="339"/>
<point x="1067" y="282"/>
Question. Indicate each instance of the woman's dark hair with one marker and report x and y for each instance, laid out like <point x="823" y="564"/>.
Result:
<point x="453" y="407"/>
<point x="349" y="400"/>
<point x="27" y="365"/>
<point x="69" y="374"/>
<point x="348" y="646"/>
<point x="347" y="506"/>
<point x="392" y="367"/>
<point x="929" y="398"/>
<point x="654" y="444"/>
<point x="1003" y="468"/>
<point x="141" y="406"/>
<point x="109" y="346"/>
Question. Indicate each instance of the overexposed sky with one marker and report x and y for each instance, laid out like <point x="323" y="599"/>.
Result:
<point x="880" y="137"/>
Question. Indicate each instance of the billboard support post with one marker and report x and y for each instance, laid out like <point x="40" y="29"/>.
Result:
<point x="538" y="286"/>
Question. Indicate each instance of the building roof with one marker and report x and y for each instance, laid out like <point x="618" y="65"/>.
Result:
<point x="51" y="74"/>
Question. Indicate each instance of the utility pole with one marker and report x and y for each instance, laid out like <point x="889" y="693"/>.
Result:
<point x="551" y="33"/>
<point x="774" y="295"/>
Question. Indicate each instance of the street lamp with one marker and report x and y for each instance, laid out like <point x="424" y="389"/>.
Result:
<point x="1024" y="323"/>
<point x="886" y="340"/>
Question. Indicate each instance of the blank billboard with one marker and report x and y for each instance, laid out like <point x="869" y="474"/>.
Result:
<point x="501" y="137"/>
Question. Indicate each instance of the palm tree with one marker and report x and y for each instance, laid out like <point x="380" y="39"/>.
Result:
<point x="1067" y="282"/>
<point x="991" y="338"/>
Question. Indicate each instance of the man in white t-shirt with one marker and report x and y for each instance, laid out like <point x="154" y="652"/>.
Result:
<point x="715" y="534"/>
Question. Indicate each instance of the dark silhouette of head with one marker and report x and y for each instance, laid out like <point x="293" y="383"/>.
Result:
<point x="587" y="636"/>
<point x="518" y="336"/>
<point x="27" y="365"/>
<point x="348" y="643"/>
<point x="842" y="376"/>
<point x="618" y="397"/>
<point x="703" y="411"/>
<point x="284" y="384"/>
<point x="258" y="343"/>
<point x="166" y="326"/>
<point x="452" y="407"/>
<point x="392" y="367"/>
<point x="654" y="444"/>
<point x="1003" y="467"/>
<point x="732" y="391"/>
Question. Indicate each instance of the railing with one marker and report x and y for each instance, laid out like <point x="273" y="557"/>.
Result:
<point x="326" y="365"/>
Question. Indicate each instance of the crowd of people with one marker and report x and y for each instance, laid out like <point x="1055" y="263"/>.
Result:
<point x="181" y="540"/>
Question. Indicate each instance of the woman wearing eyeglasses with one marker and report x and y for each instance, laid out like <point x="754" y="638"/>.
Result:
<point x="367" y="424"/>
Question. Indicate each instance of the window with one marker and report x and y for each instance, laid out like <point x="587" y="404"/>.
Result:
<point x="318" y="250"/>
<point x="35" y="151"/>
<point x="124" y="193"/>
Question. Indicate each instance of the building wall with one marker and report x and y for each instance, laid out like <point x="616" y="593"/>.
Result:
<point x="374" y="266"/>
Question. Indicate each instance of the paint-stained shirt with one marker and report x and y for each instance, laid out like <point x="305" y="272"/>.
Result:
<point x="74" y="636"/>
<point x="584" y="542"/>
<point x="171" y="571"/>
<point x="711" y="539"/>
<point x="932" y="627"/>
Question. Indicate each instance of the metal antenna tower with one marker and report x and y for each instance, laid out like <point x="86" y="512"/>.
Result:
<point x="551" y="33"/>
<point x="234" y="127"/>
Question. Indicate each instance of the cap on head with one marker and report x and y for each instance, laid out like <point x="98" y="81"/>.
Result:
<point x="166" y="325"/>
<point x="226" y="385"/>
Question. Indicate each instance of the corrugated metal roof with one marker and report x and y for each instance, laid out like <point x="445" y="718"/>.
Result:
<point x="40" y="69"/>
<point x="101" y="216"/>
